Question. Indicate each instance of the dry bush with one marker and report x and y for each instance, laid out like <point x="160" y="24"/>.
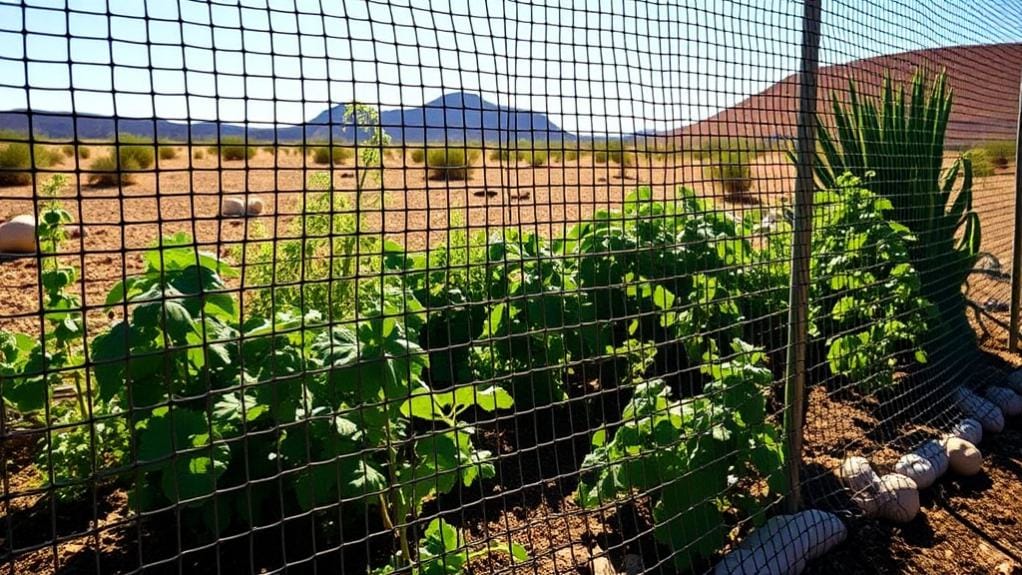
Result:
<point x="451" y="163"/>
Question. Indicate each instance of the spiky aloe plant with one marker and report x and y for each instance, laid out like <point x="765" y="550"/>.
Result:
<point x="896" y="146"/>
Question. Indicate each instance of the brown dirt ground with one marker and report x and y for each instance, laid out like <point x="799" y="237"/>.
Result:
<point x="968" y="526"/>
<point x="414" y="210"/>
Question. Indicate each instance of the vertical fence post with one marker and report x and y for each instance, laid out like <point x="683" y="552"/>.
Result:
<point x="798" y="297"/>
<point x="1016" y="245"/>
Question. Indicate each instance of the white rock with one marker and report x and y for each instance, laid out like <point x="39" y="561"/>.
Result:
<point x="1007" y="400"/>
<point x="965" y="458"/>
<point x="857" y="474"/>
<point x="784" y="544"/>
<point x="233" y="208"/>
<point x="900" y="497"/>
<point x="254" y="206"/>
<point x="981" y="410"/>
<point x="18" y="235"/>
<point x="924" y="465"/>
<point x="970" y="430"/>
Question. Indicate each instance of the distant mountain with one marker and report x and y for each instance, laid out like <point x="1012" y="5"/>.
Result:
<point x="454" y="118"/>
<point x="985" y="80"/>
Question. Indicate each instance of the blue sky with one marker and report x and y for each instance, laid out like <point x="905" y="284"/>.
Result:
<point x="603" y="66"/>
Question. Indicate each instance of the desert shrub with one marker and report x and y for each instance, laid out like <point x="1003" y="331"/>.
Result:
<point x="109" y="172"/>
<point x="198" y="154"/>
<point x="570" y="155"/>
<point x="68" y="151"/>
<point x="419" y="155"/>
<point x="168" y="152"/>
<point x="982" y="163"/>
<point x="511" y="155"/>
<point x="556" y="156"/>
<point x="451" y="163"/>
<point x="341" y="154"/>
<point x="15" y="156"/>
<point x="234" y="149"/>
<point x="1001" y="152"/>
<point x="135" y="153"/>
<point x="337" y="155"/>
<point x="623" y="158"/>
<point x="84" y="152"/>
<point x="601" y="156"/>
<point x="269" y="150"/>
<point x="538" y="158"/>
<point x="733" y="172"/>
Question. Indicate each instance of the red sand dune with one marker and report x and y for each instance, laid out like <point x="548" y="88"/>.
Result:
<point x="985" y="80"/>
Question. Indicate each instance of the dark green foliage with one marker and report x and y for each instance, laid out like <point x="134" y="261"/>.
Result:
<point x="683" y="454"/>
<point x="895" y="145"/>
<point x="866" y="296"/>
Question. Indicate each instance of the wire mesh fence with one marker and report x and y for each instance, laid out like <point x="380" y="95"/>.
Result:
<point x="386" y="286"/>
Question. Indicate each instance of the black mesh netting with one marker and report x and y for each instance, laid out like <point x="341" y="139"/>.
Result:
<point x="477" y="287"/>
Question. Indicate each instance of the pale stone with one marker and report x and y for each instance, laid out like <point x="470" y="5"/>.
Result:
<point x="965" y="458"/>
<point x="863" y="482"/>
<point x="18" y="235"/>
<point x="784" y="544"/>
<point x="254" y="206"/>
<point x="970" y="430"/>
<point x="233" y="208"/>
<point x="924" y="465"/>
<point x="1006" y="399"/>
<point x="900" y="497"/>
<point x="981" y="410"/>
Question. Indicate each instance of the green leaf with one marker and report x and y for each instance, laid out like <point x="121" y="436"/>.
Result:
<point x="490" y="398"/>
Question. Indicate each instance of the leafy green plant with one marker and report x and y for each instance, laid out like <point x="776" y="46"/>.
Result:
<point x="31" y="371"/>
<point x="419" y="155"/>
<point x="865" y="294"/>
<point x="695" y="457"/>
<point x="443" y="551"/>
<point x="326" y="250"/>
<point x="451" y="163"/>
<point x="895" y="145"/>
